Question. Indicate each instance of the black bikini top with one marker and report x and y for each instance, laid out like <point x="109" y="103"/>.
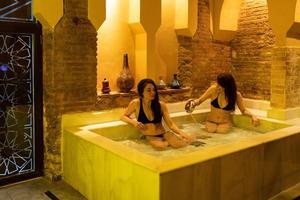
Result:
<point x="143" y="118"/>
<point x="215" y="104"/>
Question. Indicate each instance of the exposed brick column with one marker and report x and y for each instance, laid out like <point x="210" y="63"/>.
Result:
<point x="69" y="76"/>
<point x="75" y="56"/>
<point x="252" y="50"/>
<point x="285" y="83"/>
<point x="200" y="58"/>
<point x="52" y="114"/>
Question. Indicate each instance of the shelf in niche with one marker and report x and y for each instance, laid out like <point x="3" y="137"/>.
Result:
<point x="134" y="93"/>
<point x="172" y="91"/>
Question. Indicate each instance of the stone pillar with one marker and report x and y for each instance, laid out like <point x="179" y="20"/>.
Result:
<point x="52" y="110"/>
<point x="75" y="57"/>
<point x="285" y="83"/>
<point x="69" y="53"/>
<point x="252" y="50"/>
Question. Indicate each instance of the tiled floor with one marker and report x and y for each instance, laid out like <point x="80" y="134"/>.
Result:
<point x="35" y="190"/>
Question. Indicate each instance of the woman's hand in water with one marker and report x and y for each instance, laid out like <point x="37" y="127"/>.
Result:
<point x="255" y="121"/>
<point x="140" y="126"/>
<point x="187" y="137"/>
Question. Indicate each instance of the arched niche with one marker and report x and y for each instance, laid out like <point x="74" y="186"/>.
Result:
<point x="130" y="27"/>
<point x="224" y="15"/>
<point x="294" y="30"/>
<point x="186" y="17"/>
<point x="115" y="38"/>
<point x="282" y="19"/>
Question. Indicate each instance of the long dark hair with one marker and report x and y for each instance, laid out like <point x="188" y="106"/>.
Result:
<point x="227" y="81"/>
<point x="155" y="105"/>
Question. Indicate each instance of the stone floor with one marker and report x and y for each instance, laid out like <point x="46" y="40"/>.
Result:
<point x="292" y="193"/>
<point x="35" y="190"/>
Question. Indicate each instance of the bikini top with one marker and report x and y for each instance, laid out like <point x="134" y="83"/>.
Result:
<point x="143" y="118"/>
<point x="215" y="104"/>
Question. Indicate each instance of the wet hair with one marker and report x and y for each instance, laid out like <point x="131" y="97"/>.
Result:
<point x="155" y="105"/>
<point x="227" y="81"/>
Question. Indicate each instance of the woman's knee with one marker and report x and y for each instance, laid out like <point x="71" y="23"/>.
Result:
<point x="178" y="144"/>
<point x="158" y="144"/>
<point x="174" y="141"/>
<point x="210" y="127"/>
<point x="223" y="129"/>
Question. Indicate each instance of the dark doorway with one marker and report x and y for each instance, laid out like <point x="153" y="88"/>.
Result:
<point x="21" y="136"/>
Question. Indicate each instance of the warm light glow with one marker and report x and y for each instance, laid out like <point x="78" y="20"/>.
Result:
<point x="230" y="14"/>
<point x="134" y="11"/>
<point x="112" y="9"/>
<point x="166" y="40"/>
<point x="297" y="11"/>
<point x="48" y="11"/>
<point x="141" y="56"/>
<point x="281" y="17"/>
<point x="115" y="38"/>
<point x="181" y="14"/>
<point x="140" y="39"/>
<point x="186" y="14"/>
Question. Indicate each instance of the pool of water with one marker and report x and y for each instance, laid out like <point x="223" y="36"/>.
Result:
<point x="204" y="138"/>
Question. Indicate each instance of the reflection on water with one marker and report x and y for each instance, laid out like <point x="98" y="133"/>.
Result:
<point x="196" y="129"/>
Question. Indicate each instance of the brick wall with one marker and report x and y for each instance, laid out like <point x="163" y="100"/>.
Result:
<point x="285" y="84"/>
<point x="248" y="56"/>
<point x="252" y="50"/>
<point x="109" y="101"/>
<point x="200" y="58"/>
<point x="293" y="77"/>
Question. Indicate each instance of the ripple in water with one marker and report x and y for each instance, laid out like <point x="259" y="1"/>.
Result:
<point x="196" y="129"/>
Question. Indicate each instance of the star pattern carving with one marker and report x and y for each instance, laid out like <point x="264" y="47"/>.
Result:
<point x="16" y="105"/>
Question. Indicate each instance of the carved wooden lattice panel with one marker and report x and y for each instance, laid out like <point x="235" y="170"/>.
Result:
<point x="16" y="104"/>
<point x="16" y="10"/>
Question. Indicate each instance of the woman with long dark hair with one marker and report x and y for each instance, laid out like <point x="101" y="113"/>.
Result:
<point x="149" y="112"/>
<point x="224" y="96"/>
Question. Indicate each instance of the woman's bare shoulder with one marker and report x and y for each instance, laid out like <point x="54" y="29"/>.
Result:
<point x="213" y="86"/>
<point x="212" y="89"/>
<point x="134" y="102"/>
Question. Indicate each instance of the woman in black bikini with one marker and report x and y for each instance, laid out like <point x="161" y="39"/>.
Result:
<point x="150" y="111"/>
<point x="224" y="96"/>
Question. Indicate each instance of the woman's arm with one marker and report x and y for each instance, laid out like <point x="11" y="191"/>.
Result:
<point x="244" y="111"/>
<point x="171" y="124"/>
<point x="207" y="94"/>
<point x="131" y="108"/>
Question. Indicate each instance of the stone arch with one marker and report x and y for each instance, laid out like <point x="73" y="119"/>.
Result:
<point x="225" y="15"/>
<point x="282" y="19"/>
<point x="230" y="10"/>
<point x="294" y="30"/>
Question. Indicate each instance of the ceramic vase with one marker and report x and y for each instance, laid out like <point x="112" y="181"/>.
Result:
<point x="125" y="81"/>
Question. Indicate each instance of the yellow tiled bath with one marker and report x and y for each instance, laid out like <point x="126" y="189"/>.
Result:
<point x="98" y="163"/>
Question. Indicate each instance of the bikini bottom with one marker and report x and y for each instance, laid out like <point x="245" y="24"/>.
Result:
<point x="229" y="123"/>
<point x="155" y="136"/>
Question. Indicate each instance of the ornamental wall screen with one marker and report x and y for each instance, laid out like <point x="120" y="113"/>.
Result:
<point x="21" y="152"/>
